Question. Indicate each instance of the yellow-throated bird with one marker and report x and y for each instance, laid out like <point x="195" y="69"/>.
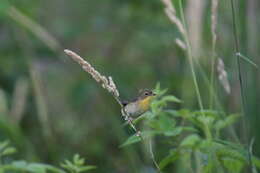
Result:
<point x="139" y="105"/>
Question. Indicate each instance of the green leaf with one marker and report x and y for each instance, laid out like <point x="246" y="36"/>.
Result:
<point x="134" y="139"/>
<point x="171" y="98"/>
<point x="234" y="151"/>
<point x="131" y="140"/>
<point x="87" y="168"/>
<point x="163" y="123"/>
<point x="229" y="120"/>
<point x="174" y="132"/>
<point x="77" y="165"/>
<point x="3" y="145"/>
<point x="190" y="141"/>
<point x="256" y="161"/>
<point x="233" y="165"/>
<point x="42" y="168"/>
<point x="225" y="152"/>
<point x="147" y="115"/>
<point x="32" y="167"/>
<point x="20" y="165"/>
<point x="36" y="167"/>
<point x="158" y="90"/>
<point x="206" y="120"/>
<point x="173" y="113"/>
<point x="235" y="146"/>
<point x="207" y="112"/>
<point x="8" y="151"/>
<point x="77" y="160"/>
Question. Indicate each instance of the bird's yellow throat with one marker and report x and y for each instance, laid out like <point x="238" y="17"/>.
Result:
<point x="145" y="103"/>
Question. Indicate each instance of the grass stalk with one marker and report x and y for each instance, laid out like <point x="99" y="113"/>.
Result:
<point x="152" y="156"/>
<point x="214" y="6"/>
<point x="242" y="94"/>
<point x="192" y="67"/>
<point x="41" y="33"/>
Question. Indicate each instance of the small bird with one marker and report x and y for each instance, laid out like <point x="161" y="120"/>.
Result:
<point x="139" y="105"/>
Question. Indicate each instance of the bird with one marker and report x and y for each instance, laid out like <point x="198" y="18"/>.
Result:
<point x="139" y="105"/>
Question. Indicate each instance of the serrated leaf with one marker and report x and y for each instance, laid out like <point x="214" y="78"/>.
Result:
<point x="158" y="90"/>
<point x="75" y="158"/>
<point x="229" y="120"/>
<point x="173" y="132"/>
<point x="205" y="120"/>
<point x="190" y="141"/>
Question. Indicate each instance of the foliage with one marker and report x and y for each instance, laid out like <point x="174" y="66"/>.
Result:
<point x="77" y="166"/>
<point x="188" y="130"/>
<point x="58" y="106"/>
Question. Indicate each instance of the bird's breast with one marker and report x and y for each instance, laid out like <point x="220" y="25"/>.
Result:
<point x="133" y="109"/>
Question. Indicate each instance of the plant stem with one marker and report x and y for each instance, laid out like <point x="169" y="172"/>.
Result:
<point x="152" y="156"/>
<point x="194" y="77"/>
<point x="242" y="94"/>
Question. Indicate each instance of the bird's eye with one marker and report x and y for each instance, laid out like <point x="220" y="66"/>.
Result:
<point x="146" y="93"/>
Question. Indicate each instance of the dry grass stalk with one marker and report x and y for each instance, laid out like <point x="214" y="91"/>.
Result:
<point x="180" y="23"/>
<point x="194" y="15"/>
<point x="171" y="13"/>
<point x="19" y="100"/>
<point x="40" y="100"/>
<point x="180" y="43"/>
<point x="214" y="8"/>
<point x="106" y="83"/>
<point x="3" y="103"/>
<point x="222" y="75"/>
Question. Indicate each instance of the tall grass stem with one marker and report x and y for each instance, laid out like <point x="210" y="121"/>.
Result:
<point x="191" y="63"/>
<point x="242" y="94"/>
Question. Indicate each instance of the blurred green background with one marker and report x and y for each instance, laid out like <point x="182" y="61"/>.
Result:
<point x="50" y="108"/>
